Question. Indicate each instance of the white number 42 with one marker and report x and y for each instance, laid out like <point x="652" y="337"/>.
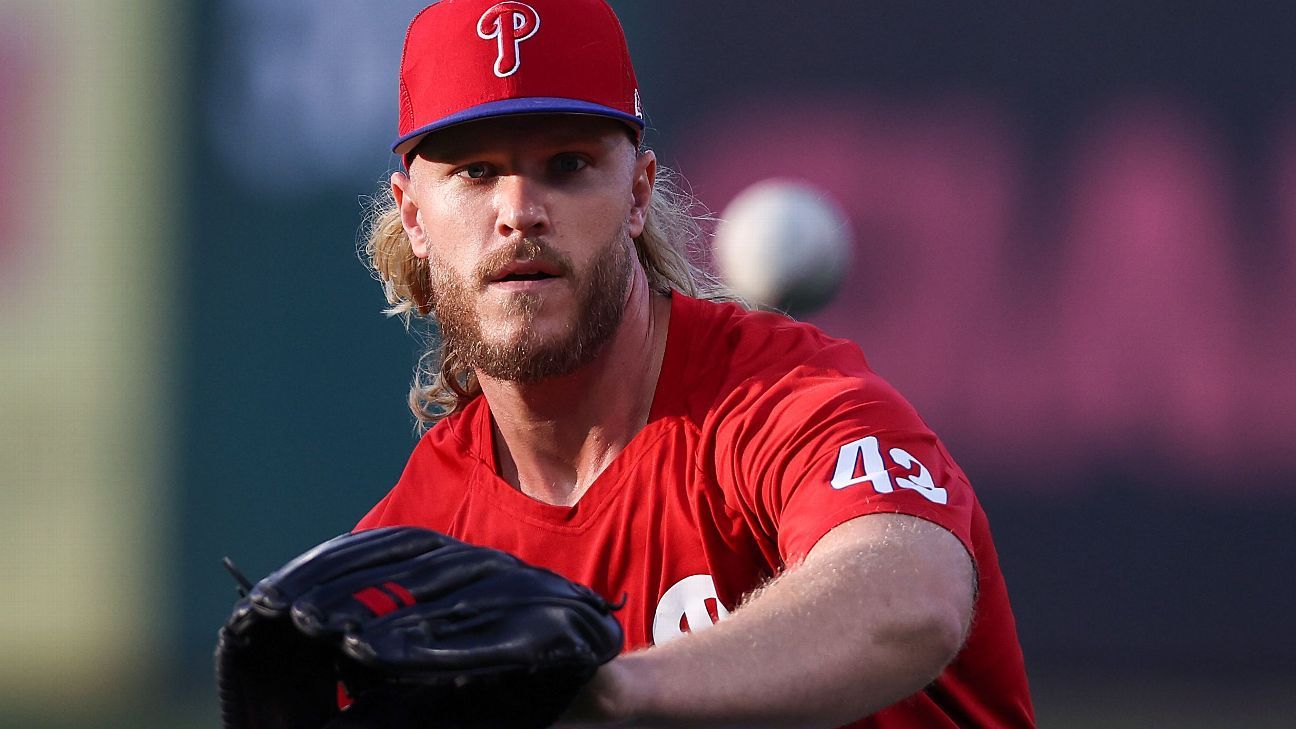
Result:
<point x="864" y="457"/>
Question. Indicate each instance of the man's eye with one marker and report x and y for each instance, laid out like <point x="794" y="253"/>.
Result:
<point x="475" y="171"/>
<point x="568" y="163"/>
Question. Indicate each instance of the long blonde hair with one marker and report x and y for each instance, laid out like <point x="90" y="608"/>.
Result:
<point x="669" y="249"/>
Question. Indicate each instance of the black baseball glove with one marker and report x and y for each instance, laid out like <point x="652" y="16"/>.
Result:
<point x="422" y="630"/>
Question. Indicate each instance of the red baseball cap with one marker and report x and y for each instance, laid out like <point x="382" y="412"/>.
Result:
<point x="466" y="60"/>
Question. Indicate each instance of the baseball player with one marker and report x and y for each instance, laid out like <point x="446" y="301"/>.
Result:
<point x="756" y="528"/>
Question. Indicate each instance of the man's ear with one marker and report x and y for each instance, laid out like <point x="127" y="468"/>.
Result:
<point x="401" y="189"/>
<point x="641" y="190"/>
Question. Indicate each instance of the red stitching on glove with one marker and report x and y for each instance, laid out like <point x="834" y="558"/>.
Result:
<point x="376" y="600"/>
<point x="400" y="592"/>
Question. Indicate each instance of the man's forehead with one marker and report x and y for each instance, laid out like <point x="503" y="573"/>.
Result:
<point x="522" y="131"/>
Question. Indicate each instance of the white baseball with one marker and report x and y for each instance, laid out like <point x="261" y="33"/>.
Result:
<point x="784" y="244"/>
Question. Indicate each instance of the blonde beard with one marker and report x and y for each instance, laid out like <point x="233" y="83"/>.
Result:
<point x="600" y="302"/>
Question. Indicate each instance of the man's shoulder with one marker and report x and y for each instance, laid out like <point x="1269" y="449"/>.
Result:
<point x="454" y="443"/>
<point x="436" y="476"/>
<point x="727" y="345"/>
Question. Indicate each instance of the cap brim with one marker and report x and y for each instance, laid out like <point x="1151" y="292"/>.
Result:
<point x="509" y="107"/>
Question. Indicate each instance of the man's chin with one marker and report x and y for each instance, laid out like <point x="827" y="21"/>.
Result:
<point x="530" y="324"/>
<point x="509" y="311"/>
<point x="531" y="360"/>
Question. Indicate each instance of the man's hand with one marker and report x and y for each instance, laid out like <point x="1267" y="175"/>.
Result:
<point x="271" y="676"/>
<point x="424" y="630"/>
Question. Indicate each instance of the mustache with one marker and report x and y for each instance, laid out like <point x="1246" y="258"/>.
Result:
<point x="526" y="250"/>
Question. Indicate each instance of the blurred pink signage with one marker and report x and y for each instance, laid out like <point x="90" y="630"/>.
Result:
<point x="1126" y="302"/>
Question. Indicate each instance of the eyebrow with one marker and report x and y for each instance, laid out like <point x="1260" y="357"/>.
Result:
<point x="446" y="150"/>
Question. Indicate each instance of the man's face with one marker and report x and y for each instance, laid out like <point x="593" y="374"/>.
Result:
<point x="526" y="224"/>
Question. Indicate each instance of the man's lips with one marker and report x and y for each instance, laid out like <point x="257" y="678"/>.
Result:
<point x="526" y="271"/>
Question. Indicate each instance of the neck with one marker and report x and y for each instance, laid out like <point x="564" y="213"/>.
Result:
<point x="554" y="437"/>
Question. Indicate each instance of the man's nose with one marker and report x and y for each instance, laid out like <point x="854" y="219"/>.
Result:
<point x="522" y="207"/>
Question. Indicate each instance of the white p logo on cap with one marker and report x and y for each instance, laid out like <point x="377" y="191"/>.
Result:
<point x="508" y="24"/>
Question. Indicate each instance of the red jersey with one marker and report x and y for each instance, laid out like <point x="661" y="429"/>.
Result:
<point x="764" y="434"/>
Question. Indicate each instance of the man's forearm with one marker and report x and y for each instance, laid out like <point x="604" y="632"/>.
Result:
<point x="874" y="613"/>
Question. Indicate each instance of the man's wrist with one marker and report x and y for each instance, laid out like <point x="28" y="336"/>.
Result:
<point x="613" y="697"/>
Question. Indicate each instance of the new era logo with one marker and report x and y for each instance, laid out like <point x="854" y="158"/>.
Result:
<point x="508" y="24"/>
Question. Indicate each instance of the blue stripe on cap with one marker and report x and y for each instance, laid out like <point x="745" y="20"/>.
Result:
<point x="509" y="107"/>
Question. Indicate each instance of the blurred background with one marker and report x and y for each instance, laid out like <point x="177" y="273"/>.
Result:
<point x="1076" y="254"/>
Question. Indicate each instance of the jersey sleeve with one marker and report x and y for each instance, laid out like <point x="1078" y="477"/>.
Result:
<point x="376" y="516"/>
<point x="816" y="448"/>
<point x="430" y="488"/>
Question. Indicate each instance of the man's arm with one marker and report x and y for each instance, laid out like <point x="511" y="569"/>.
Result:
<point x="878" y="607"/>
